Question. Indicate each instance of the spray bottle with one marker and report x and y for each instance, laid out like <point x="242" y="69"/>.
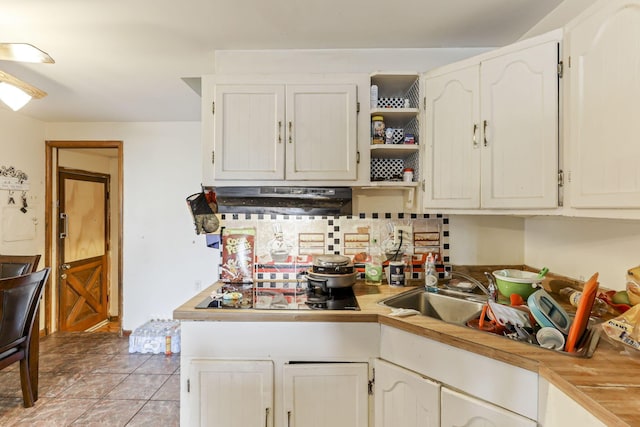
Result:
<point x="430" y="274"/>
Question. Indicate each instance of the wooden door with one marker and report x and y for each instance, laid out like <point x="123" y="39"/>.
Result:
<point x="321" y="128"/>
<point x="326" y="395"/>
<point x="452" y="155"/>
<point x="404" y="398"/>
<point x="82" y="249"/>
<point x="603" y="107"/>
<point x="519" y="110"/>
<point x="249" y="132"/>
<point x="230" y="393"/>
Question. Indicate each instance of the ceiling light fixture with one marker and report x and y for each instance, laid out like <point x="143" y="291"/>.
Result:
<point x="24" y="52"/>
<point x="16" y="93"/>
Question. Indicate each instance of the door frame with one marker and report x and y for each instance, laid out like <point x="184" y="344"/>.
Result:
<point x="50" y="210"/>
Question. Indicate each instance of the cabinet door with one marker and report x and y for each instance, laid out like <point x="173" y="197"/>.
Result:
<point x="321" y="132"/>
<point x="404" y="398"/>
<point x="452" y="157"/>
<point x="249" y="132"/>
<point x="603" y="107"/>
<point x="519" y="109"/>
<point x="461" y="410"/>
<point x="326" y="395"/>
<point x="559" y="410"/>
<point x="225" y="393"/>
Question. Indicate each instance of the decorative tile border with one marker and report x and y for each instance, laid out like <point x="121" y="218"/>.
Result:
<point x="333" y="229"/>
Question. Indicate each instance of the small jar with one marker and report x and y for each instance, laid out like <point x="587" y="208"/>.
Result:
<point x="377" y="130"/>
<point x="407" y="175"/>
<point x="388" y="134"/>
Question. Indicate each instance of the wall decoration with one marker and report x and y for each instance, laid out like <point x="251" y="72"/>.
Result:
<point x="13" y="179"/>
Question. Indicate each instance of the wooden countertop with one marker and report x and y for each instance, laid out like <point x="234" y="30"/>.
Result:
<point x="607" y="384"/>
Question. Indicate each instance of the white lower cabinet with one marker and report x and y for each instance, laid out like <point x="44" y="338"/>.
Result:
<point x="231" y="393"/>
<point x="326" y="394"/>
<point x="556" y="409"/>
<point x="482" y="378"/>
<point x="404" y="398"/>
<point x="276" y="374"/>
<point x="458" y="409"/>
<point x="259" y="374"/>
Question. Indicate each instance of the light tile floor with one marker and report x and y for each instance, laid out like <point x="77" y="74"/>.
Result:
<point x="92" y="379"/>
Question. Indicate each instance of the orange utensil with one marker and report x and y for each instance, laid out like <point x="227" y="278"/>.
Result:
<point x="585" y="305"/>
<point x="516" y="299"/>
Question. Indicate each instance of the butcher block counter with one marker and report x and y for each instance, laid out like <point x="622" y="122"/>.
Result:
<point x="607" y="384"/>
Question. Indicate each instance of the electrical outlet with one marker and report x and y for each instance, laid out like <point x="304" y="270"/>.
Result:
<point x="405" y="230"/>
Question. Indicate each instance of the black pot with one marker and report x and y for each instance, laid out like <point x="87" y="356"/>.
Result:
<point x="342" y="269"/>
<point x="326" y="281"/>
<point x="330" y="260"/>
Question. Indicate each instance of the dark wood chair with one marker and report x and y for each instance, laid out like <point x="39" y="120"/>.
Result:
<point x="17" y="265"/>
<point x="19" y="302"/>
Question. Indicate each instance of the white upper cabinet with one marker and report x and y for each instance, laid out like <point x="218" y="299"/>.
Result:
<point x="271" y="132"/>
<point x="603" y="127"/>
<point x="452" y="158"/>
<point x="492" y="130"/>
<point x="519" y="108"/>
<point x="321" y="132"/>
<point x="249" y="132"/>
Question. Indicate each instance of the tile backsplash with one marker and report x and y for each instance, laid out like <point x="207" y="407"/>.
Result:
<point x="289" y="239"/>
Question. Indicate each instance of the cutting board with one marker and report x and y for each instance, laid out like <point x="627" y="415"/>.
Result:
<point x="585" y="305"/>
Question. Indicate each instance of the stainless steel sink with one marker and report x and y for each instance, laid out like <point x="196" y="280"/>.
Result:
<point x="448" y="306"/>
<point x="459" y="307"/>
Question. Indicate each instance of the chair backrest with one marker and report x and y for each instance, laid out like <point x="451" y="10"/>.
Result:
<point x="19" y="299"/>
<point x="17" y="265"/>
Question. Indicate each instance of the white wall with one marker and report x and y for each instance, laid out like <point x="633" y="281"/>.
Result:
<point x="557" y="18"/>
<point x="578" y="247"/>
<point x="22" y="146"/>
<point x="163" y="257"/>
<point x="486" y="240"/>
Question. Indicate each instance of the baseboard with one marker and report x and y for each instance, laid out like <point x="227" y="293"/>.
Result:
<point x="97" y="326"/>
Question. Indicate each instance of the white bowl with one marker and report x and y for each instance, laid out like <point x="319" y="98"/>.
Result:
<point x="550" y="338"/>
<point x="517" y="276"/>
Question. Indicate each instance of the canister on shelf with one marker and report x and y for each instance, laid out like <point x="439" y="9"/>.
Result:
<point x="374" y="96"/>
<point x="407" y="175"/>
<point x="377" y="130"/>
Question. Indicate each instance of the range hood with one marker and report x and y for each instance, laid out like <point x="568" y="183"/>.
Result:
<point x="326" y="201"/>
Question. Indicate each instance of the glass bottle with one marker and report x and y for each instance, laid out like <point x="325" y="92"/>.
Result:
<point x="373" y="265"/>
<point x="599" y="306"/>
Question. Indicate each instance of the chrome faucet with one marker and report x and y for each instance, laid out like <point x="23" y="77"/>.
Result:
<point x="491" y="292"/>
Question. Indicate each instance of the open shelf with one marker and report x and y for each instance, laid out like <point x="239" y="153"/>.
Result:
<point x="395" y="151"/>
<point x="395" y="114"/>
